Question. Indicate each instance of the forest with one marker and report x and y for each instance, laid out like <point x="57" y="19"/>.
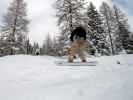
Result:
<point x="107" y="28"/>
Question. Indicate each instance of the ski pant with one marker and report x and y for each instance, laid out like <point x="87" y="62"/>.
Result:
<point x="78" y="46"/>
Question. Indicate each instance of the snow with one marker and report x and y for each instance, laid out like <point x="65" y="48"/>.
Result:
<point x="38" y="78"/>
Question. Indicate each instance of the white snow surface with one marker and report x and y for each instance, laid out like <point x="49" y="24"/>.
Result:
<point x="38" y="78"/>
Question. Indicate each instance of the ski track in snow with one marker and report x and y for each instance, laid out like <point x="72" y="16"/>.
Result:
<point x="38" y="78"/>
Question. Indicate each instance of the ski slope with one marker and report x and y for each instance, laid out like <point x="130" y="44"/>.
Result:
<point x="38" y="78"/>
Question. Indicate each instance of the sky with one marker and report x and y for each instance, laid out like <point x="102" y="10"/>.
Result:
<point x="42" y="16"/>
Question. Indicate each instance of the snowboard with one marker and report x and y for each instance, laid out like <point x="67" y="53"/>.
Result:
<point x="65" y="63"/>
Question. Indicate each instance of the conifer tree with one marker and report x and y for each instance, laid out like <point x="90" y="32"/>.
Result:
<point x="109" y="27"/>
<point x="69" y="16"/>
<point x="15" y="26"/>
<point x="122" y="30"/>
<point x="97" y="33"/>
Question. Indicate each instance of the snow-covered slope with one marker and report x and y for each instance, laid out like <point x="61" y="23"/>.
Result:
<point x="38" y="78"/>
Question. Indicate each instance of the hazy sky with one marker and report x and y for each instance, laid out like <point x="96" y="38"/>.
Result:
<point x="42" y="16"/>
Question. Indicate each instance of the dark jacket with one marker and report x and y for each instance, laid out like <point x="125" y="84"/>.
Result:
<point x="79" y="32"/>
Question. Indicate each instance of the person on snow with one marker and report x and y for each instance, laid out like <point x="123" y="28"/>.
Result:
<point x="37" y="52"/>
<point x="78" y="44"/>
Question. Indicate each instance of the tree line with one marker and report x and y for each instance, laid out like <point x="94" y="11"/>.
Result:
<point x="107" y="29"/>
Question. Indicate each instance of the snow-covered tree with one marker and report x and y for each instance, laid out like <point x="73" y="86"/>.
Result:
<point x="63" y="43"/>
<point x="109" y="27"/>
<point x="28" y="47"/>
<point x="15" y="26"/>
<point x="122" y="31"/>
<point x="55" y="46"/>
<point x="48" y="44"/>
<point x="97" y="34"/>
<point x="130" y="44"/>
<point x="42" y="49"/>
<point x="69" y="16"/>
